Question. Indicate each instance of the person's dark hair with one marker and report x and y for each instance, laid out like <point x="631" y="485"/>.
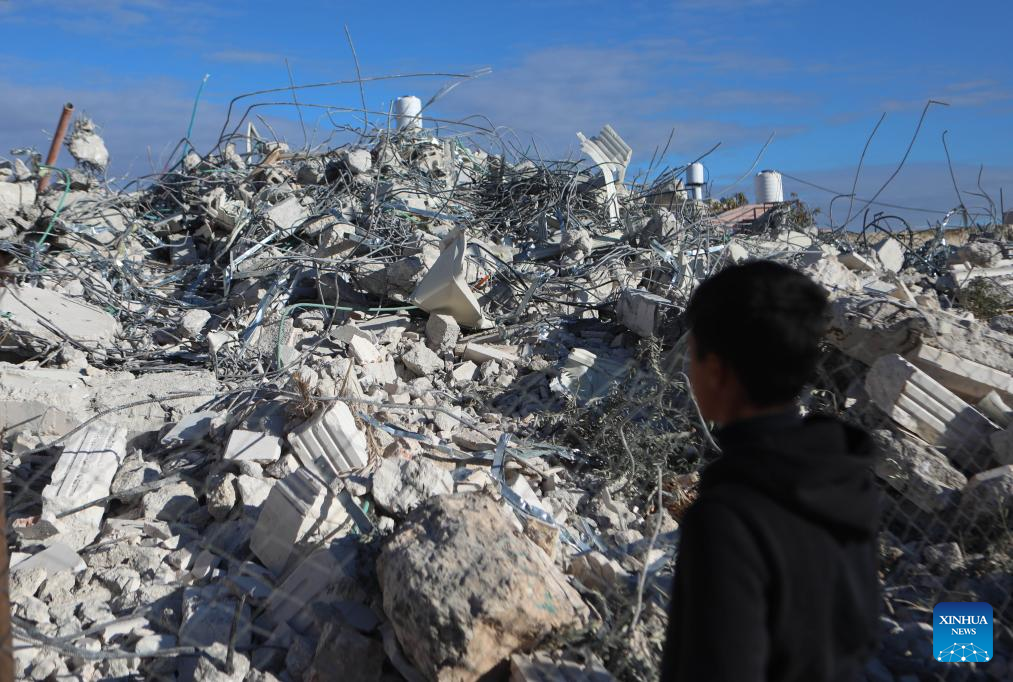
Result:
<point x="765" y="320"/>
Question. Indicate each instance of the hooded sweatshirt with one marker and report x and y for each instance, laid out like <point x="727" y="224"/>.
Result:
<point x="776" y="575"/>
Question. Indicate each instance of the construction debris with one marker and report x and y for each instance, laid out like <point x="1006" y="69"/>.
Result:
<point x="403" y="404"/>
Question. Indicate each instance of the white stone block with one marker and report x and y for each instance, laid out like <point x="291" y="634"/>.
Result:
<point x="480" y="352"/>
<point x="465" y="371"/>
<point x="83" y="473"/>
<point x="330" y="443"/>
<point x="297" y="508"/>
<point x="34" y="311"/>
<point x="253" y="446"/>
<point x="14" y="197"/>
<point x="890" y="253"/>
<point x="970" y="380"/>
<point x="853" y="261"/>
<point x="53" y="559"/>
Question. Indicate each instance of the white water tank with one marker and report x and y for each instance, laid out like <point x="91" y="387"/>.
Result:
<point x="407" y="112"/>
<point x="694" y="174"/>
<point x="769" y="189"/>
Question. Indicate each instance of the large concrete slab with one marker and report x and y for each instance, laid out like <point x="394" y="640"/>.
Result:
<point x="43" y="313"/>
<point x="83" y="473"/>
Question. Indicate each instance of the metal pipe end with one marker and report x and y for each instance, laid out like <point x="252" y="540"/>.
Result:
<point x="69" y="106"/>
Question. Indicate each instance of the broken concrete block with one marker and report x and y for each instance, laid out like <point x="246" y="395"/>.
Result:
<point x="465" y="371"/>
<point x="968" y="379"/>
<point x="298" y="508"/>
<point x="442" y="331"/>
<point x="447" y="422"/>
<point x="287" y="215"/>
<point x="116" y="390"/>
<point x="14" y="197"/>
<point x="890" y="253"/>
<point x="190" y="429"/>
<point x="919" y="472"/>
<point x="642" y="312"/>
<point x="400" y="485"/>
<point x="481" y="353"/>
<point x="443" y="289"/>
<point x="464" y="589"/>
<point x="330" y="443"/>
<point x="253" y="491"/>
<point x="831" y="274"/>
<point x="359" y="161"/>
<point x="86" y="145"/>
<point x="55" y="558"/>
<point x="421" y="361"/>
<point x="152" y="644"/>
<point x="171" y="502"/>
<point x="921" y="405"/>
<point x="981" y="254"/>
<point x="208" y="616"/>
<point x="221" y="496"/>
<point x="45" y="401"/>
<point x="289" y="604"/>
<point x="346" y="332"/>
<point x="193" y="323"/>
<point x="381" y="373"/>
<point x="83" y="473"/>
<point x="252" y="446"/>
<point x="472" y="441"/>
<point x="38" y="312"/>
<point x="988" y="497"/>
<point x="855" y="262"/>
<point x="362" y="350"/>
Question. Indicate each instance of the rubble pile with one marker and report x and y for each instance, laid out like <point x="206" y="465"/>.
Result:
<point x="411" y="407"/>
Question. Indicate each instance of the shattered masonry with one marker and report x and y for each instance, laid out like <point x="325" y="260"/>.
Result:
<point x="400" y="406"/>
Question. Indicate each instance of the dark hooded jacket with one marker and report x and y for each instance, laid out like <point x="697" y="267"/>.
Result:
<point x="776" y="574"/>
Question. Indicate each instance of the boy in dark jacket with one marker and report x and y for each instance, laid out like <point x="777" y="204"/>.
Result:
<point x="776" y="574"/>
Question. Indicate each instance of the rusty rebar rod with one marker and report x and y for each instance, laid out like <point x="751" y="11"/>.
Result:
<point x="54" y="147"/>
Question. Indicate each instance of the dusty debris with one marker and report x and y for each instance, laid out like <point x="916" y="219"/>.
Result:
<point x="274" y="365"/>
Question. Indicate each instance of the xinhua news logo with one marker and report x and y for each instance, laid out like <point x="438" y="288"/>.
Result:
<point x="962" y="632"/>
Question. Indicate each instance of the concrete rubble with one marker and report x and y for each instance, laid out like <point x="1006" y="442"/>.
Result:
<point x="399" y="407"/>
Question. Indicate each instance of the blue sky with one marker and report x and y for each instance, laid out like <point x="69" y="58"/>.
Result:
<point x="816" y="74"/>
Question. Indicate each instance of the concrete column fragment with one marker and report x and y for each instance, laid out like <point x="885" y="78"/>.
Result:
<point x="298" y="508"/>
<point x="925" y="407"/>
<point x="966" y="378"/>
<point x="83" y="473"/>
<point x="330" y="443"/>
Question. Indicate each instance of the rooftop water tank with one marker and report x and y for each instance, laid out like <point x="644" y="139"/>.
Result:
<point x="694" y="174"/>
<point x="769" y="189"/>
<point x="407" y="112"/>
